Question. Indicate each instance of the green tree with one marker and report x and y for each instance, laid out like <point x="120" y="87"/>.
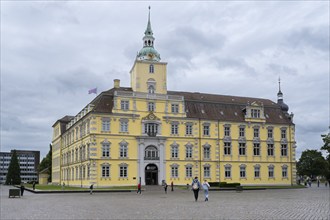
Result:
<point x="326" y="147"/>
<point x="46" y="163"/>
<point x="14" y="173"/>
<point x="312" y="164"/>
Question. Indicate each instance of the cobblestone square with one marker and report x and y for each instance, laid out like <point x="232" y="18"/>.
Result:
<point x="306" y="203"/>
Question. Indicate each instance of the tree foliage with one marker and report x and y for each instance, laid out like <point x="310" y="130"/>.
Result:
<point x="46" y="163"/>
<point x="312" y="164"/>
<point x="14" y="173"/>
<point x="326" y="147"/>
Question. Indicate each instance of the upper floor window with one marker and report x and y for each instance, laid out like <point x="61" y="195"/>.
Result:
<point x="284" y="150"/>
<point x="189" y="129"/>
<point x="174" y="129"/>
<point x="242" y="149"/>
<point x="227" y="148"/>
<point x="124" y="105"/>
<point x="206" y="130"/>
<point x="175" y="108"/>
<point x="151" y="89"/>
<point x="256" y="149"/>
<point x="105" y="150"/>
<point x="105" y="124"/>
<point x="151" y="153"/>
<point x="189" y="151"/>
<point x="124" y="126"/>
<point x="151" y="68"/>
<point x="227" y="131"/>
<point x="283" y="133"/>
<point x="206" y="152"/>
<point x="123" y="150"/>
<point x="270" y="133"/>
<point x="242" y="132"/>
<point x="256" y="132"/>
<point x="255" y="113"/>
<point x="151" y="129"/>
<point x="174" y="151"/>
<point x="151" y="106"/>
<point x="270" y="149"/>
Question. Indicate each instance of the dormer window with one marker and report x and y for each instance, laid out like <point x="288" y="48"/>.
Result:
<point x="151" y="68"/>
<point x="255" y="113"/>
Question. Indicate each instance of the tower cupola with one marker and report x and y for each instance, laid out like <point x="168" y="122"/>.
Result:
<point x="284" y="107"/>
<point x="148" y="51"/>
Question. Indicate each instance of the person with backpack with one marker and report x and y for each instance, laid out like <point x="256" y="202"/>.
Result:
<point x="195" y="185"/>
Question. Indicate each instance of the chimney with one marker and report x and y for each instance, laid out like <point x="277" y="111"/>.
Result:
<point x="116" y="83"/>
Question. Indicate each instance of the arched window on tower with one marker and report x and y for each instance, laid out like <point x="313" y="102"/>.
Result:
<point x="151" y="89"/>
<point x="151" y="68"/>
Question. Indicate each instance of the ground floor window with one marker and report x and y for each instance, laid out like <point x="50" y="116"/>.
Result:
<point x="188" y="171"/>
<point x="174" y="172"/>
<point x="123" y="171"/>
<point x="105" y="171"/>
<point x="227" y="171"/>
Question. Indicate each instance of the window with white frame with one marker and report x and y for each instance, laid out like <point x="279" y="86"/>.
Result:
<point x="206" y="151"/>
<point x="242" y="131"/>
<point x="105" y="170"/>
<point x="174" y="151"/>
<point x="256" y="149"/>
<point x="174" y="171"/>
<point x="283" y="133"/>
<point x="256" y="132"/>
<point x="270" y="132"/>
<point x="270" y="149"/>
<point x="242" y="171"/>
<point x="207" y="173"/>
<point x="124" y="105"/>
<point x="189" y="129"/>
<point x="227" y="131"/>
<point x="151" y="89"/>
<point x="189" y="171"/>
<point x="242" y="149"/>
<point x="123" y="126"/>
<point x="106" y="150"/>
<point x="151" y="68"/>
<point x="284" y="150"/>
<point x="227" y="171"/>
<point x="151" y="129"/>
<point x="151" y="153"/>
<point x="227" y="148"/>
<point x="123" y="171"/>
<point x="271" y="171"/>
<point x="105" y="124"/>
<point x="257" y="171"/>
<point x="174" y="128"/>
<point x="206" y="130"/>
<point x="175" y="108"/>
<point x="284" y="171"/>
<point x="123" y="150"/>
<point x="189" y="151"/>
<point x="255" y="113"/>
<point x="151" y="106"/>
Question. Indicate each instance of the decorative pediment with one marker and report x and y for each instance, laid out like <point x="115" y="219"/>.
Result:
<point x="257" y="104"/>
<point x="151" y="116"/>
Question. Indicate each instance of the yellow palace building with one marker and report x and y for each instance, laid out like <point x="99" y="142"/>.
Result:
<point x="149" y="134"/>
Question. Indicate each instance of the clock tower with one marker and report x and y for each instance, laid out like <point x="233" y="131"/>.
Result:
<point x="148" y="74"/>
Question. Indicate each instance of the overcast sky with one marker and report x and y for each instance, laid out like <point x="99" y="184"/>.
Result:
<point x="52" y="53"/>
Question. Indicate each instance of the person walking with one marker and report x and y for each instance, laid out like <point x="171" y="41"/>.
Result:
<point x="206" y="187"/>
<point x="172" y="185"/>
<point x="139" y="188"/>
<point x="195" y="185"/>
<point x="34" y="186"/>
<point x="91" y="189"/>
<point x="165" y="187"/>
<point x="22" y="189"/>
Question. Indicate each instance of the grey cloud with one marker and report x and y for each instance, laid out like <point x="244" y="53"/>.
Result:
<point x="316" y="37"/>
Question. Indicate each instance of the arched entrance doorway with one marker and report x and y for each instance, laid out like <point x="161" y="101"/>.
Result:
<point x="151" y="174"/>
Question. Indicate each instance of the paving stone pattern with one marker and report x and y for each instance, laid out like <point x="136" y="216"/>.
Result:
<point x="307" y="203"/>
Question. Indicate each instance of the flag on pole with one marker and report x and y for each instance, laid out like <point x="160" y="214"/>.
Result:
<point x="92" y="91"/>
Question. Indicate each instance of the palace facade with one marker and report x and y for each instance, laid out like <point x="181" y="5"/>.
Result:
<point x="149" y="134"/>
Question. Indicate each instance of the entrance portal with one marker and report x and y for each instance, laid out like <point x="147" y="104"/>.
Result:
<point x="151" y="174"/>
